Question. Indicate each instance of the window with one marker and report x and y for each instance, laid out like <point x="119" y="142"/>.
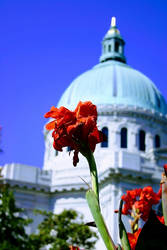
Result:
<point x="116" y="46"/>
<point x="109" y="48"/>
<point x="124" y="138"/>
<point x="56" y="153"/>
<point x="68" y="149"/>
<point x="157" y="141"/>
<point x="104" y="144"/>
<point x="142" y="136"/>
<point x="104" y="49"/>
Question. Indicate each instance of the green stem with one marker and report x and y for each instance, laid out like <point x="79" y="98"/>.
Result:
<point x="122" y="230"/>
<point x="93" y="173"/>
<point x="92" y="197"/>
<point x="164" y="201"/>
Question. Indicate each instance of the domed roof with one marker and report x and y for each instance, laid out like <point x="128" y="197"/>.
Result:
<point x="114" y="82"/>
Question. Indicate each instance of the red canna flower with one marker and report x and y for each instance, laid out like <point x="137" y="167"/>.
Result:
<point x="140" y="201"/>
<point x="146" y="200"/>
<point x="133" y="238"/>
<point x="76" y="129"/>
<point x="130" y="198"/>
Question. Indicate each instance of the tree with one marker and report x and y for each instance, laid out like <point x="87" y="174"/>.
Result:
<point x="12" y="224"/>
<point x="60" y="231"/>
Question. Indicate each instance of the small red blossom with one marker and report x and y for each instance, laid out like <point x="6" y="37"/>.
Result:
<point x="147" y="198"/>
<point x="133" y="238"/>
<point x="76" y="129"/>
<point x="140" y="201"/>
<point x="161" y="219"/>
<point x="130" y="198"/>
<point x="74" y="248"/>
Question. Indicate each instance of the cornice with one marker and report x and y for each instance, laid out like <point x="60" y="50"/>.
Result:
<point x="22" y="185"/>
<point x="131" y="111"/>
<point x="110" y="175"/>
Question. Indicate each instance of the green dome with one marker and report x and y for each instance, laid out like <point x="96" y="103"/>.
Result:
<point x="113" y="82"/>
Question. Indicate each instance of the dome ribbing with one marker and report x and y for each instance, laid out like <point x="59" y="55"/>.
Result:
<point x="113" y="82"/>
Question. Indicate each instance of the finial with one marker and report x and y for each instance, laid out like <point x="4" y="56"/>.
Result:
<point x="113" y="21"/>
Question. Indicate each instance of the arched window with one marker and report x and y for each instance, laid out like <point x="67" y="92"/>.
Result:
<point x="104" y="144"/>
<point x="157" y="141"/>
<point x="104" y="49"/>
<point x="68" y="149"/>
<point x="56" y="153"/>
<point x="124" y="138"/>
<point x="142" y="136"/>
<point x="116" y="46"/>
<point x="109" y="48"/>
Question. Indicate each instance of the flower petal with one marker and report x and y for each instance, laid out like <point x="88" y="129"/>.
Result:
<point x="50" y="125"/>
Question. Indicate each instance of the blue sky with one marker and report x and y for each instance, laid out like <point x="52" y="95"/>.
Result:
<point x="45" y="44"/>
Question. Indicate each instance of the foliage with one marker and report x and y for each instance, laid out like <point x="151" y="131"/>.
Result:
<point x="12" y="225"/>
<point x="60" y="231"/>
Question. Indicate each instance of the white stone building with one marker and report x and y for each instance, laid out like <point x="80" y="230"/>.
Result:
<point x="133" y="115"/>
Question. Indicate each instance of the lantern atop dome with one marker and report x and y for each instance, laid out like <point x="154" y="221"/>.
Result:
<point x="113" y="44"/>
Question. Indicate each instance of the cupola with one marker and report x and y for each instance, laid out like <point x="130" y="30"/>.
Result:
<point x="113" y="45"/>
<point x="113" y="82"/>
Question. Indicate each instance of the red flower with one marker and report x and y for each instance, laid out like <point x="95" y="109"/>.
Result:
<point x="161" y="219"/>
<point x="140" y="201"/>
<point x="146" y="200"/>
<point x="143" y="208"/>
<point x="130" y="198"/>
<point x="74" y="248"/>
<point x="149" y="195"/>
<point x="76" y="129"/>
<point x="133" y="238"/>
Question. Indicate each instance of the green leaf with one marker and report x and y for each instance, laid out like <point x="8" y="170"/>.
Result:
<point x="164" y="200"/>
<point x="95" y="210"/>
<point x="122" y="230"/>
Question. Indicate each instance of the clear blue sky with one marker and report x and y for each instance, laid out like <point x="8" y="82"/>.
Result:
<point x="45" y="44"/>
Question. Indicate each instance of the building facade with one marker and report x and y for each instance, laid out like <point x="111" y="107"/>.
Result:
<point x="132" y="113"/>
